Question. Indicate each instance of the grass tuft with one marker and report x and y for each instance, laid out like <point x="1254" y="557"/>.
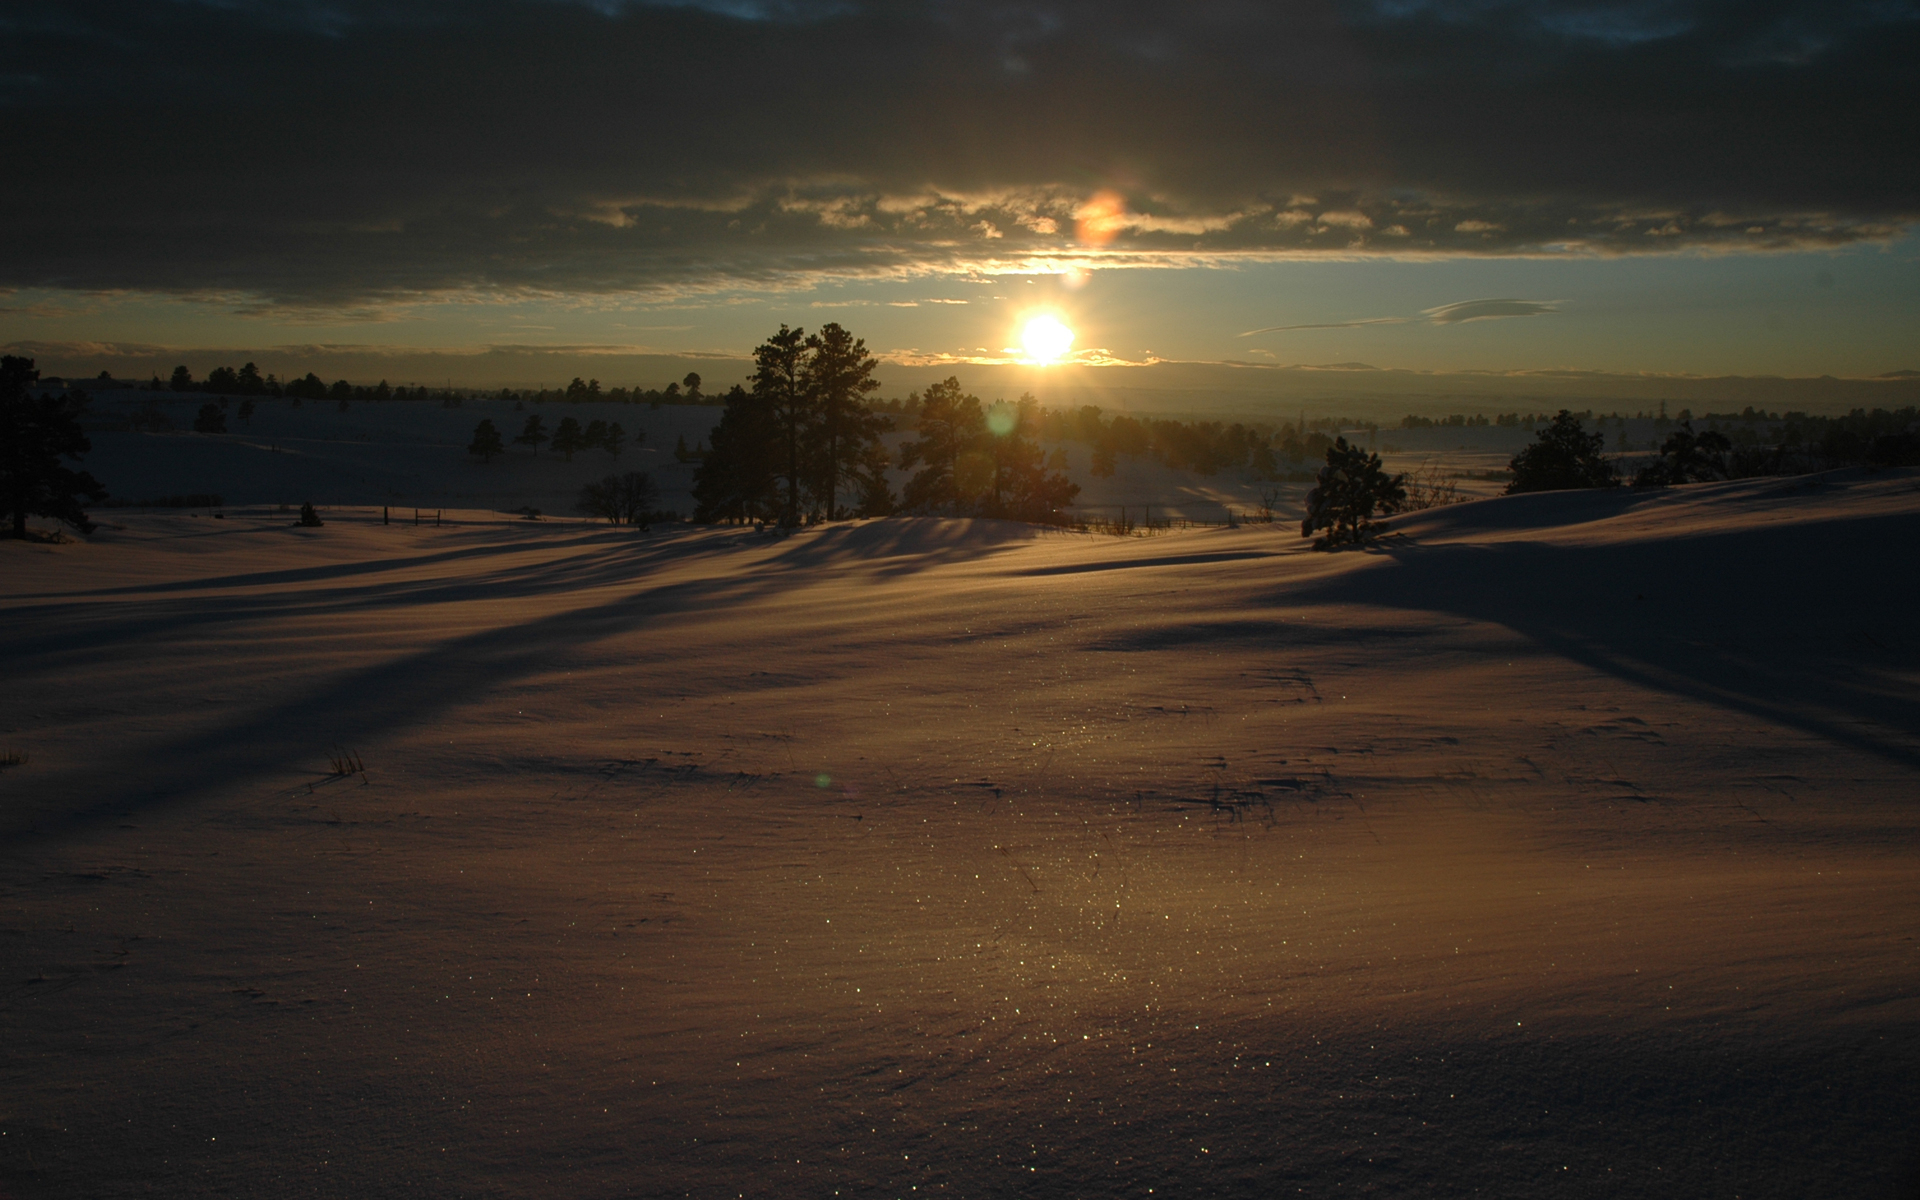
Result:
<point x="1426" y="488"/>
<point x="345" y="761"/>
<point x="12" y="758"/>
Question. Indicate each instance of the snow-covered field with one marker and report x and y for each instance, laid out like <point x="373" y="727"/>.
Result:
<point x="1563" y="846"/>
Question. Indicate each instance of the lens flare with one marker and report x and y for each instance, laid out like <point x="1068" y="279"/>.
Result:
<point x="1046" y="339"/>
<point x="1101" y="218"/>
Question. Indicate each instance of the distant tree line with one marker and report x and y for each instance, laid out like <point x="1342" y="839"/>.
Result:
<point x="1203" y="447"/>
<point x="247" y="380"/>
<point x="1352" y="489"/>
<point x="1565" y="455"/>
<point x="568" y="438"/>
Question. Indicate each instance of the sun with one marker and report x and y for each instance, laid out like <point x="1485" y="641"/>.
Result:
<point x="1046" y="339"/>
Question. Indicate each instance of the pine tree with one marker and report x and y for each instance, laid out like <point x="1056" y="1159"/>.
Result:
<point x="615" y="436"/>
<point x="870" y="481"/>
<point x="532" y="434"/>
<point x="1687" y="457"/>
<point x="779" y="364"/>
<point x="1022" y="489"/>
<point x="36" y="432"/>
<point x="837" y="376"/>
<point x="951" y="425"/>
<point x="567" y="438"/>
<point x="486" y="442"/>
<point x="1563" y="456"/>
<point x="739" y="478"/>
<point x="1351" y="489"/>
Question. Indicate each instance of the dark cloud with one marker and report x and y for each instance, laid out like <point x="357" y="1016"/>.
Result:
<point x="346" y="151"/>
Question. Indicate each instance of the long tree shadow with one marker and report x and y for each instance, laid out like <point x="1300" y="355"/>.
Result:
<point x="61" y="631"/>
<point x="416" y="688"/>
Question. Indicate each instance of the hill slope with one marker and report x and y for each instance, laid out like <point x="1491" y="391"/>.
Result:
<point x="1562" y="846"/>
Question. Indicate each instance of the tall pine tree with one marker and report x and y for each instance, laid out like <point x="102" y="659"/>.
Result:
<point x="837" y="376"/>
<point x="779" y="384"/>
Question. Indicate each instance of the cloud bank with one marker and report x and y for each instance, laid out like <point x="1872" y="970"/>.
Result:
<point x="305" y="153"/>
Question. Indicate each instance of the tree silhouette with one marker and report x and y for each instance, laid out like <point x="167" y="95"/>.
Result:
<point x="210" y="420"/>
<point x="1687" y="457"/>
<point x="1021" y="488"/>
<point x="182" y="380"/>
<point x="36" y="432"/>
<point x="1563" y="456"/>
<point x="739" y="478"/>
<point x="533" y="434"/>
<point x="486" y="442"/>
<point x="1352" y="487"/>
<point x="870" y="481"/>
<point x="567" y="438"/>
<point x="779" y="363"/>
<point x="692" y="384"/>
<point x="627" y="498"/>
<point x="951" y="424"/>
<point x="838" y="374"/>
<point x="614" y="437"/>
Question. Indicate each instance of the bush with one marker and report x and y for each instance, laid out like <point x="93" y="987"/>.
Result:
<point x="1563" y="456"/>
<point x="1689" y="457"/>
<point x="621" y="499"/>
<point x="212" y="419"/>
<point x="309" y="518"/>
<point x="1352" y="488"/>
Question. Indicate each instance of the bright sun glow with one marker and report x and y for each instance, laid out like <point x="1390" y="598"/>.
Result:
<point x="1046" y="339"/>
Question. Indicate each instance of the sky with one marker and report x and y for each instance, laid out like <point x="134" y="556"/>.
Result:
<point x="1687" y="187"/>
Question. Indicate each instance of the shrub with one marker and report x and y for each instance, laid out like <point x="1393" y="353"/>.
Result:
<point x="620" y="499"/>
<point x="1563" y="456"/>
<point x="309" y="518"/>
<point x="1352" y="488"/>
<point x="1688" y="457"/>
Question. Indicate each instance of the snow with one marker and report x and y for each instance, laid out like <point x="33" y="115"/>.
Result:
<point x="1562" y="845"/>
